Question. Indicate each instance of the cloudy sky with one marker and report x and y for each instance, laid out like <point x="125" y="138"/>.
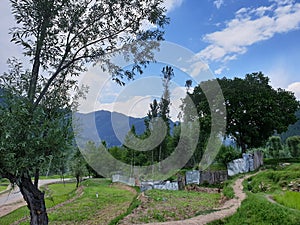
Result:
<point x="231" y="37"/>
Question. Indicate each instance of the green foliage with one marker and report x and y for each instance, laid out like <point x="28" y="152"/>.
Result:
<point x="226" y="154"/>
<point x="254" y="109"/>
<point x="78" y="166"/>
<point x="293" y="144"/>
<point x="282" y="160"/>
<point x="30" y="137"/>
<point x="275" y="146"/>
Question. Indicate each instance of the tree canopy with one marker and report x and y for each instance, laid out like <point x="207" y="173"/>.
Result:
<point x="254" y="109"/>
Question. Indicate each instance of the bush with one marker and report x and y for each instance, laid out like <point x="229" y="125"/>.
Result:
<point x="227" y="154"/>
<point x="293" y="144"/>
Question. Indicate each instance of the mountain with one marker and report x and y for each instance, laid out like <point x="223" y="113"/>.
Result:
<point x="293" y="130"/>
<point x="112" y="127"/>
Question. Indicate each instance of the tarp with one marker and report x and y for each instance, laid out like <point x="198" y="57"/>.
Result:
<point x="161" y="185"/>
<point x="249" y="162"/>
<point x="192" y="177"/>
<point x="123" y="179"/>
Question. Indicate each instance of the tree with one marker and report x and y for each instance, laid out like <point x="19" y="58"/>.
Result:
<point x="226" y="154"/>
<point x="29" y="138"/>
<point x="293" y="144"/>
<point x="78" y="166"/>
<point x="275" y="146"/>
<point x="60" y="37"/>
<point x="188" y="85"/>
<point x="254" y="109"/>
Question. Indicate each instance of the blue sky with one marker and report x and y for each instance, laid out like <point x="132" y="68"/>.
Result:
<point x="236" y="37"/>
<point x="233" y="37"/>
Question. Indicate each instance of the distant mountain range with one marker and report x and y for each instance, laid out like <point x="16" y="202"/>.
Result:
<point x="113" y="127"/>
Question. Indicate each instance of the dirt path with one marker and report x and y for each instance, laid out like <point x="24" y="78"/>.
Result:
<point x="228" y="209"/>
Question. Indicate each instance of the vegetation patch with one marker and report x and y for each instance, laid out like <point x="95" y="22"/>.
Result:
<point x="111" y="202"/>
<point x="289" y="199"/>
<point x="273" y="179"/>
<point x="54" y="195"/>
<point x="3" y="184"/>
<point x="258" y="210"/>
<point x="164" y="205"/>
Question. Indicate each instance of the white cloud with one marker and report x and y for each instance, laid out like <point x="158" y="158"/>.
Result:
<point x="249" y="27"/>
<point x="295" y="88"/>
<point x="219" y="71"/>
<point x="172" y="4"/>
<point x="218" y="3"/>
<point x="137" y="106"/>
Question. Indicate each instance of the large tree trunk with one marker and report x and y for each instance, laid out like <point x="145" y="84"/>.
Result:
<point x="35" y="201"/>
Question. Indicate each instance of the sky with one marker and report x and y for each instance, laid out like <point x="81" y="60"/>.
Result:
<point x="228" y="38"/>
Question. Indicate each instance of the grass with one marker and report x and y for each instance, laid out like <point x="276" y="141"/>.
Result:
<point x="58" y="193"/>
<point x="112" y="201"/>
<point x="134" y="204"/>
<point x="228" y="191"/>
<point x="257" y="209"/>
<point x="55" y="194"/>
<point x="273" y="180"/>
<point x="3" y="187"/>
<point x="164" y="205"/>
<point x="3" y="184"/>
<point x="14" y="216"/>
<point x="289" y="199"/>
<point x="55" y="177"/>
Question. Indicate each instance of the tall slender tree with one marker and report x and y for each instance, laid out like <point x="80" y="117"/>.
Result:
<point x="164" y="109"/>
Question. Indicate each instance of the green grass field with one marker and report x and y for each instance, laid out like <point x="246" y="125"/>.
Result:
<point x="112" y="202"/>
